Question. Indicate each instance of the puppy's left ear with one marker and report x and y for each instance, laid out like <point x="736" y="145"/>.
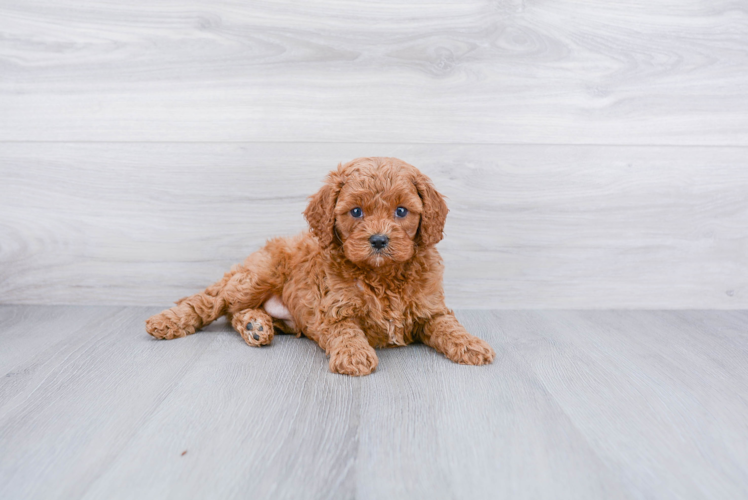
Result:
<point x="320" y="213"/>
<point x="431" y="230"/>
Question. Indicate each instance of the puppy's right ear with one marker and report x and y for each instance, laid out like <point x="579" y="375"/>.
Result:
<point x="434" y="213"/>
<point x="320" y="213"/>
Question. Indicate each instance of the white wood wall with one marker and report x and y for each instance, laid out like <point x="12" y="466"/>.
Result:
<point x="595" y="154"/>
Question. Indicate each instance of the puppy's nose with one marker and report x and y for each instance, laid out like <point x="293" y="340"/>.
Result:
<point x="379" y="241"/>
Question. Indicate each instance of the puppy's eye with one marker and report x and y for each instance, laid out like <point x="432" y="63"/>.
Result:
<point x="357" y="213"/>
<point x="401" y="212"/>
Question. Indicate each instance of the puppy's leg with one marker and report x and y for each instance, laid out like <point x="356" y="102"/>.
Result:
<point x="254" y="325"/>
<point x="445" y="334"/>
<point x="190" y="313"/>
<point x="244" y="287"/>
<point x="240" y="289"/>
<point x="349" y="351"/>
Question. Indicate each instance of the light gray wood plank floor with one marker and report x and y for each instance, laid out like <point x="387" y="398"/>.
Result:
<point x="595" y="404"/>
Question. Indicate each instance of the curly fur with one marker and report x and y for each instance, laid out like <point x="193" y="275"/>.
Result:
<point x="338" y="290"/>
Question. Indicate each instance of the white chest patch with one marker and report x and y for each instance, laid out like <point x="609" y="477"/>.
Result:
<point x="275" y="307"/>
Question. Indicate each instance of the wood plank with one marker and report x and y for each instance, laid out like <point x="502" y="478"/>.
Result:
<point x="436" y="429"/>
<point x="530" y="226"/>
<point x="661" y="397"/>
<point x="250" y="416"/>
<point x="47" y="326"/>
<point x="634" y="72"/>
<point x="582" y="405"/>
<point x="256" y="423"/>
<point x="73" y="407"/>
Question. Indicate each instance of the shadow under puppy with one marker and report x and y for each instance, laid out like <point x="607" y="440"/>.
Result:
<point x="367" y="275"/>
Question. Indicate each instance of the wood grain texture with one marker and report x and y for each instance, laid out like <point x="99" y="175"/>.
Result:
<point x="480" y="71"/>
<point x="529" y="226"/>
<point x="577" y="405"/>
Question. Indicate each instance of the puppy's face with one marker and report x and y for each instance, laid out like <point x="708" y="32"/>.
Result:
<point x="379" y="210"/>
<point x="377" y="216"/>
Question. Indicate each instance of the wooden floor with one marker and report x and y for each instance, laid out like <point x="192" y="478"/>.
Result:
<point x="595" y="404"/>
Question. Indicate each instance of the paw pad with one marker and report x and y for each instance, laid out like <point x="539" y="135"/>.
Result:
<point x="255" y="329"/>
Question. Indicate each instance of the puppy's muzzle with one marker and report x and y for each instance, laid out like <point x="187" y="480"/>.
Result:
<point x="379" y="241"/>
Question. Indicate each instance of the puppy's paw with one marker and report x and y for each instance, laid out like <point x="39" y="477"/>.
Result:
<point x="166" y="325"/>
<point x="255" y="326"/>
<point x="353" y="358"/>
<point x="470" y="350"/>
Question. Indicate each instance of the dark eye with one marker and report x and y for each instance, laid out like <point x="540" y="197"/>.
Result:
<point x="357" y="212"/>
<point x="401" y="212"/>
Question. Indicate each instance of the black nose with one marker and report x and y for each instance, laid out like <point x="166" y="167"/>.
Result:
<point x="379" y="241"/>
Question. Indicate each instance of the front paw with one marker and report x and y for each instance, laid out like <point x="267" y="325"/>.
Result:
<point x="469" y="350"/>
<point x="353" y="358"/>
<point x="165" y="325"/>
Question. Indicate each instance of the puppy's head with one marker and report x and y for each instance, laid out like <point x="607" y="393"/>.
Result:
<point x="378" y="210"/>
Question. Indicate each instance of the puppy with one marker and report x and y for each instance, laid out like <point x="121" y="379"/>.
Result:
<point x="367" y="275"/>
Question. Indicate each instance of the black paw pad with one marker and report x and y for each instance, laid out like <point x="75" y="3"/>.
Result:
<point x="250" y="326"/>
<point x="255" y="336"/>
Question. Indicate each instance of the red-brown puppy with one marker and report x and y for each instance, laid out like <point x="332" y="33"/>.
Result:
<point x="366" y="276"/>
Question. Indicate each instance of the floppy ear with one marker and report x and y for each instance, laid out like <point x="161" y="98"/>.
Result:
<point x="434" y="215"/>
<point x="320" y="213"/>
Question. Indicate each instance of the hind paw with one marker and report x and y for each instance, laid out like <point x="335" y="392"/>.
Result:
<point x="255" y="326"/>
<point x="165" y="325"/>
